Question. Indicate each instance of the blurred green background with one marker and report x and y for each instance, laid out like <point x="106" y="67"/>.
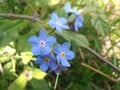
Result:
<point x="100" y="32"/>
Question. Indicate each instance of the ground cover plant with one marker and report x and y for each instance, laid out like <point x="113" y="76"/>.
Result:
<point x="59" y="45"/>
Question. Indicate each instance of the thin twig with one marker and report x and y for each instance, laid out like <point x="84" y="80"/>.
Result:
<point x="30" y="6"/>
<point x="98" y="71"/>
<point x="17" y="16"/>
<point x="52" y="31"/>
<point x="103" y="59"/>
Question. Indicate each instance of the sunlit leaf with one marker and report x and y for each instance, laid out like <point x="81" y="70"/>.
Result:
<point x="19" y="83"/>
<point x="37" y="73"/>
<point x="76" y="38"/>
<point x="26" y="57"/>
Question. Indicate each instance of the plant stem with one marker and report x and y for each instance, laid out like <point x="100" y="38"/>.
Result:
<point x="17" y="16"/>
<point x="52" y="31"/>
<point x="56" y="81"/>
<point x="98" y="71"/>
<point x="103" y="60"/>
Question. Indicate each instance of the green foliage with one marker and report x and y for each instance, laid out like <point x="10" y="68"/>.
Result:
<point x="100" y="32"/>
<point x="20" y="82"/>
<point x="10" y="32"/>
<point x="77" y="39"/>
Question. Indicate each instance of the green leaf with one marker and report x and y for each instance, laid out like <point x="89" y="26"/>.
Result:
<point x="39" y="84"/>
<point x="9" y="70"/>
<point x="76" y="38"/>
<point x="37" y="73"/>
<point x="101" y="24"/>
<point x="9" y="30"/>
<point x="3" y="59"/>
<point x="19" y="83"/>
<point x="26" y="57"/>
<point x="22" y="42"/>
<point x="38" y="3"/>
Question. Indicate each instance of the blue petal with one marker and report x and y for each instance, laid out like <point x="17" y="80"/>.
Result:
<point x="54" y="16"/>
<point x="63" y="20"/>
<point x="36" y="50"/>
<point x="67" y="7"/>
<point x="59" y="29"/>
<point x="65" y="27"/>
<point x="50" y="40"/>
<point x="64" y="62"/>
<point x="57" y="49"/>
<point x="66" y="46"/>
<point x="60" y="68"/>
<point x="33" y="40"/>
<point x="76" y="28"/>
<point x="79" y="25"/>
<point x="69" y="55"/>
<point x="75" y="12"/>
<point x="44" y="67"/>
<point x="58" y="59"/>
<point x="52" y="23"/>
<point x="46" y="50"/>
<point x="58" y="71"/>
<point x="79" y="19"/>
<point x="43" y="35"/>
<point x="39" y="60"/>
<point x="52" y="65"/>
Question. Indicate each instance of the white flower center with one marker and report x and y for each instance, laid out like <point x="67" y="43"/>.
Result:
<point x="58" y="23"/>
<point x="42" y="43"/>
<point x="62" y="54"/>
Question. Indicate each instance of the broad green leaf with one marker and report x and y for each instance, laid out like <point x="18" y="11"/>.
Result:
<point x="19" y="83"/>
<point x="37" y="81"/>
<point x="22" y="42"/>
<point x="39" y="84"/>
<point x="9" y="31"/>
<point x="26" y="57"/>
<point x="76" y="38"/>
<point x="61" y="12"/>
<point x="37" y="73"/>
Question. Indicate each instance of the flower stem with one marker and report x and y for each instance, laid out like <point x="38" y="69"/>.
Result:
<point x="52" y="31"/>
<point x="56" y="81"/>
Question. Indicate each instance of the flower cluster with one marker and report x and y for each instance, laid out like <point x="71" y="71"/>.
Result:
<point x="60" y="23"/>
<point x="49" y="57"/>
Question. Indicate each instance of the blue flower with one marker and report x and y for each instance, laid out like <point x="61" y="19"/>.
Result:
<point x="58" y="23"/>
<point x="60" y="68"/>
<point x="41" y="44"/>
<point x="68" y="9"/>
<point x="78" y="23"/>
<point x="64" y="54"/>
<point x="46" y="62"/>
